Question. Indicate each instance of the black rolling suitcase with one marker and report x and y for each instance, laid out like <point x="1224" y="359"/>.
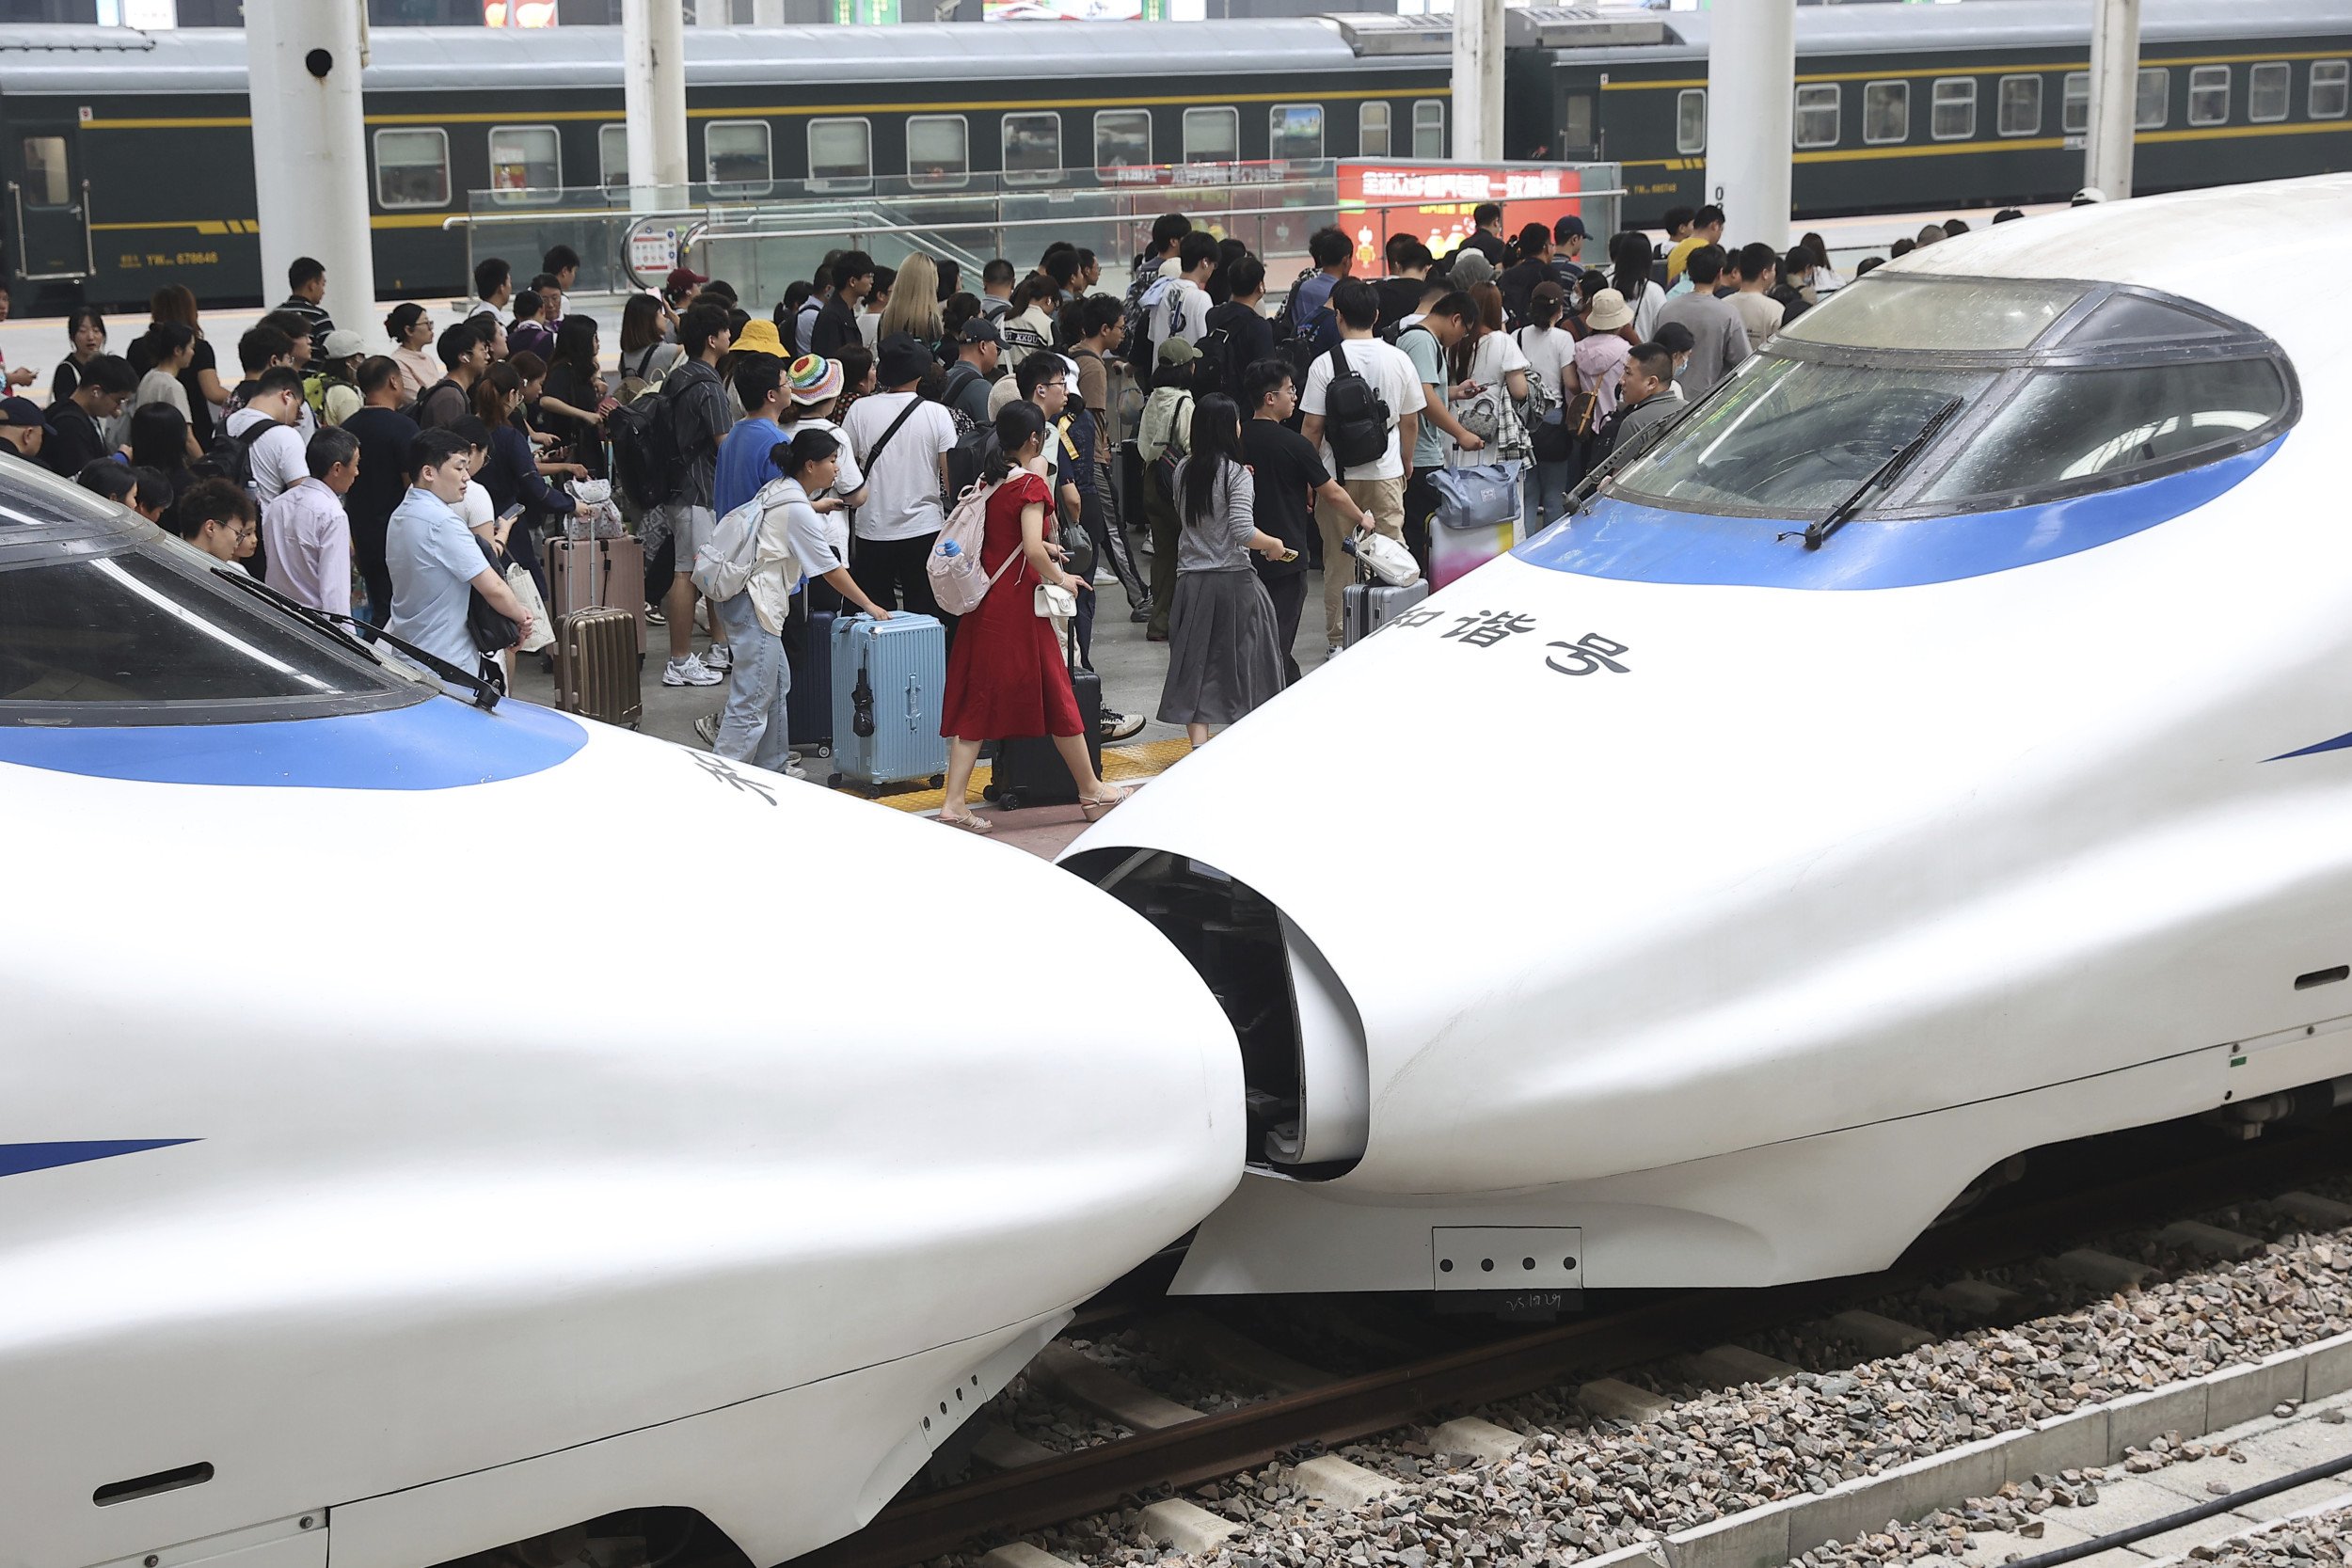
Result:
<point x="1028" y="771"/>
<point x="808" y="705"/>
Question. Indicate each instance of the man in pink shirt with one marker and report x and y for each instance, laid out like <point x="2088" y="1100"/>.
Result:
<point x="306" y="538"/>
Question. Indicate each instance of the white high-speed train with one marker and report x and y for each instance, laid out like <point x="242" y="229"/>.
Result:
<point x="422" y="1129"/>
<point x="1714" y="890"/>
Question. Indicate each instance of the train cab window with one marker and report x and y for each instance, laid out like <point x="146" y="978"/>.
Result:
<point x="1212" y="135"/>
<point x="612" y="156"/>
<point x="2209" y="95"/>
<point x="939" y="151"/>
<point x="1952" y="115"/>
<point x="2331" y="89"/>
<point x="2268" y="87"/>
<point x="526" y="165"/>
<point x="2061" y="389"/>
<point x="1816" y="115"/>
<point x="1428" y="128"/>
<point x="1371" y="131"/>
<point x="2075" y="110"/>
<point x="1294" y="131"/>
<point x="738" y="158"/>
<point x="1691" y="120"/>
<point x="1032" y="149"/>
<point x="2019" y="112"/>
<point x="1122" y="139"/>
<point x="840" y="154"/>
<point x="1885" y="112"/>
<point x="45" y="181"/>
<point x="411" y="168"/>
<point x="2153" y="104"/>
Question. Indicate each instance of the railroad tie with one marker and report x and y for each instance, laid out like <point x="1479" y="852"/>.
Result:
<point x="1341" y="1483"/>
<point x="1877" y="1335"/>
<point x="2210" y="1240"/>
<point x="1000" y="1450"/>
<point x="1975" y="1298"/>
<point x="2101" y="1271"/>
<point x="2312" y="1209"/>
<point x="1187" y="1526"/>
<point x="1084" y="1381"/>
<point x="1207" y="1345"/>
<point x="1729" y="1366"/>
<point x="1020" y="1553"/>
<point x="1482" y="1440"/>
<point x="1619" y="1400"/>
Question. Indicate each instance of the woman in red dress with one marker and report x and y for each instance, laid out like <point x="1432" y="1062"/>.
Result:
<point x="1006" y="675"/>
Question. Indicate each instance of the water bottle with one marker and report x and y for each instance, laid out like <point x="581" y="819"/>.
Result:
<point x="948" y="547"/>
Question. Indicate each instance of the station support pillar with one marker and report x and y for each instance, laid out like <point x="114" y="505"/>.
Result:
<point x="1478" y="81"/>
<point x="653" y="36"/>
<point x="2114" y="96"/>
<point x="303" y="61"/>
<point x="1750" y="92"/>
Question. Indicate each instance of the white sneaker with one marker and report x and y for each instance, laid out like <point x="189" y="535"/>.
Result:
<point x="721" y="658"/>
<point x="794" y="770"/>
<point x="707" y="727"/>
<point x="689" y="670"/>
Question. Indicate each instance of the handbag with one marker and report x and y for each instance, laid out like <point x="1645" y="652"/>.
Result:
<point x="491" y="631"/>
<point x="1054" y="602"/>
<point x="1385" y="559"/>
<point x="542" y="635"/>
<point x="1485" y="496"/>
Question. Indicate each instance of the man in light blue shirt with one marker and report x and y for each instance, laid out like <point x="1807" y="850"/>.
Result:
<point x="744" y="460"/>
<point x="434" y="559"/>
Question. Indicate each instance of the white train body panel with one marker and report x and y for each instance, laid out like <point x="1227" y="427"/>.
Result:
<point x="1734" y="962"/>
<point x="623" y="1131"/>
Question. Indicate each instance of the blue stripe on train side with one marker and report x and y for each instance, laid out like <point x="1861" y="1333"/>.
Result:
<point x="1630" y="542"/>
<point x="436" y="744"/>
<point x="17" y="1159"/>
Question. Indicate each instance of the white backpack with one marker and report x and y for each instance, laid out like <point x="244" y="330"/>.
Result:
<point x="958" y="580"/>
<point x="724" y="562"/>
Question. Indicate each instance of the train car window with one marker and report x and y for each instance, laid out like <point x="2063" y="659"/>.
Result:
<point x="2331" y="89"/>
<point x="1901" y="312"/>
<point x="45" y="181"/>
<point x="2154" y="105"/>
<point x="2067" y="426"/>
<point x="2209" y="95"/>
<point x="1212" y="135"/>
<point x="2020" y="110"/>
<point x="1691" y="120"/>
<point x="1032" y="149"/>
<point x="1952" y="112"/>
<point x="739" y="160"/>
<point x="1428" y="128"/>
<point x="1371" y="131"/>
<point x="840" y="154"/>
<point x="1885" y="114"/>
<point x="2075" y="111"/>
<point x="411" y="168"/>
<point x="139" y="636"/>
<point x="2132" y="318"/>
<point x="2268" y="87"/>
<point x="939" y="151"/>
<point x="612" y="156"/>
<point x="1122" y="139"/>
<point x="1817" y="105"/>
<point x="526" y="165"/>
<point x="1294" y="131"/>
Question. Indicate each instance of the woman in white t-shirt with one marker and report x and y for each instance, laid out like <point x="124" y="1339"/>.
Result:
<point x="1549" y="349"/>
<point x="1628" y="262"/>
<point x="1490" y="384"/>
<point x="813" y="384"/>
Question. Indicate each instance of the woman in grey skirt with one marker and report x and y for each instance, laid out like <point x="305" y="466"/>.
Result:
<point x="1223" y="657"/>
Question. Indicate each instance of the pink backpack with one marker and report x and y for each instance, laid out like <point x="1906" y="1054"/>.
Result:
<point x="958" y="580"/>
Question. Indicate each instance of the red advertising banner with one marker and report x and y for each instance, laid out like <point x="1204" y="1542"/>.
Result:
<point x="1434" y="201"/>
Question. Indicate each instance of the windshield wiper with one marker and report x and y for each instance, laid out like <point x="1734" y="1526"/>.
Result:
<point x="486" y="696"/>
<point x="1885" y="473"/>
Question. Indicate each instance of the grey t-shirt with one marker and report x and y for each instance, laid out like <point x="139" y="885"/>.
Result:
<point x="1218" y="542"/>
<point x="1421" y="346"/>
<point x="433" y="560"/>
<point x="1719" y="339"/>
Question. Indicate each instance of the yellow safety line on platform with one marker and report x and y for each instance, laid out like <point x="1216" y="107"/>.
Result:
<point x="1120" y="764"/>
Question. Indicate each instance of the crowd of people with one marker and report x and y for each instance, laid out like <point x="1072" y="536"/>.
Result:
<point x="408" y="485"/>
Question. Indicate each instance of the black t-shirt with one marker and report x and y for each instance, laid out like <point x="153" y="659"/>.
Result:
<point x="1399" y="298"/>
<point x="835" y="329"/>
<point x="384" y="434"/>
<point x="192" y="380"/>
<point x="1488" y="245"/>
<point x="72" y="439"/>
<point x="1520" y="281"/>
<point x="1250" y="338"/>
<point x="1286" y="471"/>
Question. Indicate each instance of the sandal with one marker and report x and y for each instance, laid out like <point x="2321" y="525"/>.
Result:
<point x="1094" y="808"/>
<point x="970" y="823"/>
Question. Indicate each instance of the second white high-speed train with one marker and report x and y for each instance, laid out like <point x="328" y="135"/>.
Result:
<point x="424" y="1129"/>
<point x="1938" y="745"/>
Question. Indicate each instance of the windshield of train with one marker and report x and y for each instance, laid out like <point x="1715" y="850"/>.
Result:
<point x="2062" y="388"/>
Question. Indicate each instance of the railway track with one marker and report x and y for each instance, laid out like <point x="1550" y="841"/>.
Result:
<point x="1174" y="1445"/>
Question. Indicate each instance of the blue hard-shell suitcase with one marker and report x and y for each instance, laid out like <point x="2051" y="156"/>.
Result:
<point x="888" y="680"/>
